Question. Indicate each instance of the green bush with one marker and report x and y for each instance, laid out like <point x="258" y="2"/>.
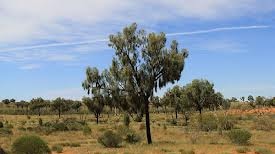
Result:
<point x="40" y="122"/>
<point x="1" y="124"/>
<point x="242" y="149"/>
<point x="58" y="148"/>
<point x="110" y="139"/>
<point x="208" y="123"/>
<point x="225" y="122"/>
<point x="263" y="123"/>
<point x="87" y="130"/>
<point x="183" y="151"/>
<point x="5" y="131"/>
<point x="30" y="144"/>
<point x="262" y="151"/>
<point x="126" y="120"/>
<point x="239" y="136"/>
<point x="132" y="137"/>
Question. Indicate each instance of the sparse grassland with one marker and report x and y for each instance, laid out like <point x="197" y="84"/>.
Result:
<point x="167" y="137"/>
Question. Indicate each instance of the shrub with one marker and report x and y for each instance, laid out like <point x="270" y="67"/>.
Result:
<point x="30" y="144"/>
<point x="126" y="120"/>
<point x="209" y="123"/>
<point x="183" y="151"/>
<point x="57" y="147"/>
<point x="225" y="122"/>
<point x="263" y="123"/>
<point x="40" y="122"/>
<point x="132" y="137"/>
<point x="1" y="124"/>
<point x="173" y="122"/>
<point x="110" y="139"/>
<point x="262" y="151"/>
<point x="87" y="130"/>
<point x="239" y="136"/>
<point x="5" y="131"/>
<point x="60" y="126"/>
<point x="242" y="149"/>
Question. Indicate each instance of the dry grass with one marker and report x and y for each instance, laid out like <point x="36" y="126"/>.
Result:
<point x="173" y="139"/>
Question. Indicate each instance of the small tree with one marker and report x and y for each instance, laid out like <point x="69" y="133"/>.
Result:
<point x="37" y="104"/>
<point x="260" y="101"/>
<point x="59" y="105"/>
<point x="94" y="105"/>
<point x="76" y="105"/>
<point x="242" y="98"/>
<point x="6" y="101"/>
<point x="250" y="98"/>
<point x="200" y="93"/>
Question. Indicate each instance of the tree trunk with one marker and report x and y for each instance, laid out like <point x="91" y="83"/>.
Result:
<point x="39" y="112"/>
<point x="97" y="119"/>
<point x="59" y="114"/>
<point x="200" y="118"/>
<point x="176" y="114"/>
<point x="148" y="132"/>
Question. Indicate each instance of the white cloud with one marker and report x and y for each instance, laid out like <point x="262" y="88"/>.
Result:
<point x="28" y="20"/>
<point x="29" y="67"/>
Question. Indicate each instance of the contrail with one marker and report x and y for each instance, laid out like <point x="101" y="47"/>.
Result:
<point x="218" y="30"/>
<point x="105" y="40"/>
<point x="54" y="45"/>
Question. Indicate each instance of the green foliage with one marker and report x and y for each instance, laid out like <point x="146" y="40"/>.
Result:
<point x="126" y="120"/>
<point x="95" y="105"/>
<point x="239" y="136"/>
<point x="5" y="131"/>
<point x="184" y="151"/>
<point x="40" y="122"/>
<point x="110" y="139"/>
<point x="209" y="123"/>
<point x="60" y="105"/>
<point x="142" y="64"/>
<point x="260" y="150"/>
<point x="87" y="130"/>
<point x="132" y="137"/>
<point x="242" y="149"/>
<point x="30" y="144"/>
<point x="263" y="123"/>
<point x="58" y="148"/>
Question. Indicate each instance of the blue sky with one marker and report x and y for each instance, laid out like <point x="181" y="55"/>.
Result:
<point x="45" y="48"/>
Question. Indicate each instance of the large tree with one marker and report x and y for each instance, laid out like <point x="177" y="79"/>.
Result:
<point x="142" y="64"/>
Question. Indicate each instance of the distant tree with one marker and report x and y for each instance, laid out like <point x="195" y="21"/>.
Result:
<point x="250" y="98"/>
<point x="242" y="98"/>
<point x="260" y="101"/>
<point x="6" y="101"/>
<point x="173" y="97"/>
<point x="59" y="105"/>
<point x="156" y="103"/>
<point x="94" y="105"/>
<point x="200" y="93"/>
<point x="234" y="99"/>
<point x="186" y="106"/>
<point x="37" y="104"/>
<point x="12" y="100"/>
<point x="76" y="105"/>
<point x="142" y="64"/>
